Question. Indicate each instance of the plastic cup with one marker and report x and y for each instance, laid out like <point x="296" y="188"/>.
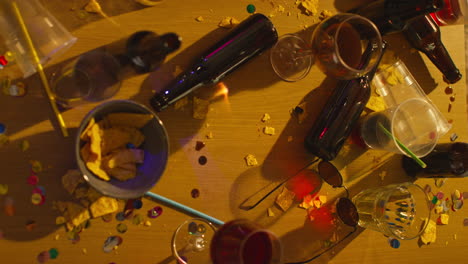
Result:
<point x="396" y="84"/>
<point x="413" y="123"/>
<point x="92" y="77"/>
<point x="397" y="210"/>
<point x="49" y="37"/>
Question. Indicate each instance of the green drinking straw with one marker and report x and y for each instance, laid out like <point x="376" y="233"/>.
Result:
<point x="401" y="145"/>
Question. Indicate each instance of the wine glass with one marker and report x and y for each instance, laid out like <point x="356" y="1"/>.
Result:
<point x="241" y="241"/>
<point x="344" y="46"/>
<point x="191" y="241"/>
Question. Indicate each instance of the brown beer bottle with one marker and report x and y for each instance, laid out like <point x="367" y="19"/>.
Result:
<point x="391" y="15"/>
<point x="446" y="160"/>
<point x="424" y="35"/>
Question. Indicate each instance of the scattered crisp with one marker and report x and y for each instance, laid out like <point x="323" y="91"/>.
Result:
<point x="266" y="117"/>
<point x="325" y="14"/>
<point x="285" y="199"/>
<point x="71" y="180"/>
<point x="376" y="103"/>
<point x="269" y="130"/>
<point x="443" y="219"/>
<point x="270" y="212"/>
<point x="200" y="108"/>
<point x="199" y="19"/>
<point x="251" y="160"/>
<point x="310" y="7"/>
<point x="429" y="234"/>
<point x="103" y="206"/>
<point x="228" y="22"/>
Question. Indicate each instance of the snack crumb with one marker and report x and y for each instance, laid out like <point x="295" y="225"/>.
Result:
<point x="269" y="130"/>
<point x="266" y="117"/>
<point x="251" y="160"/>
<point x="199" y="19"/>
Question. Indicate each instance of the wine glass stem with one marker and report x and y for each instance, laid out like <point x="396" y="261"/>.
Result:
<point x="303" y="53"/>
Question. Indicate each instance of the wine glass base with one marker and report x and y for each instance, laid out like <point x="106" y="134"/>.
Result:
<point x="291" y="58"/>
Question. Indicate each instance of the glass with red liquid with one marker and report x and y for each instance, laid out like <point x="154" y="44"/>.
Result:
<point x="243" y="242"/>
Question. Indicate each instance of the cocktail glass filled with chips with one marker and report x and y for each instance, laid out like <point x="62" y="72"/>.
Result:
<point x="191" y="241"/>
<point x="122" y="149"/>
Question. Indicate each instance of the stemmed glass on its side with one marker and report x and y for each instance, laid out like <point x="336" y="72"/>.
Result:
<point x="344" y="46"/>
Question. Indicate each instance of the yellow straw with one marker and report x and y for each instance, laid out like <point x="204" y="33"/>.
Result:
<point x="40" y="70"/>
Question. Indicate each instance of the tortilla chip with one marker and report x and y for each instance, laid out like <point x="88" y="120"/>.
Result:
<point x="85" y="152"/>
<point x="104" y="205"/>
<point x="95" y="140"/>
<point x="129" y="119"/>
<point x="95" y="167"/>
<point x="114" y="138"/>
<point x="71" y="180"/>
<point x="285" y="199"/>
<point x="84" y="135"/>
<point x="136" y="137"/>
<point x="76" y="213"/>
<point x="122" y="156"/>
<point x="124" y="172"/>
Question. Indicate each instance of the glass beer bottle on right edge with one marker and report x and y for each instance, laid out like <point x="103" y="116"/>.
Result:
<point x="446" y="160"/>
<point x="391" y="15"/>
<point x="424" y="35"/>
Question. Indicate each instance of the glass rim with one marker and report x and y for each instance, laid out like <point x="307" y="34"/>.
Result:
<point x="433" y="117"/>
<point x="275" y="241"/>
<point x="370" y="24"/>
<point x="173" y="246"/>
<point x="426" y="220"/>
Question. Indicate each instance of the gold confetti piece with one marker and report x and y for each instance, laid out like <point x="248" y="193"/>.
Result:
<point x="269" y="130"/>
<point x="270" y="212"/>
<point x="24" y="145"/>
<point x="147" y="223"/>
<point x="454" y="236"/>
<point x="265" y="117"/>
<point x="84" y="251"/>
<point x="199" y="19"/>
<point x="3" y="140"/>
<point x="209" y="135"/>
<point x="3" y="189"/>
<point x="251" y="160"/>
<point x="429" y="234"/>
<point x="285" y="199"/>
<point x="36" y="166"/>
<point x="57" y="237"/>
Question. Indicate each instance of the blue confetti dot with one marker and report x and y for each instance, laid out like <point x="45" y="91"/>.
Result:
<point x="2" y="128"/>
<point x="137" y="204"/>
<point x="394" y="243"/>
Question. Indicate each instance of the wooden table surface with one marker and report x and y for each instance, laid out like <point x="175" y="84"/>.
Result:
<point x="225" y="181"/>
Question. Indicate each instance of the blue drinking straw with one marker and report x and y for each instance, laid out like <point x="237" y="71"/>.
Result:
<point x="184" y="208"/>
